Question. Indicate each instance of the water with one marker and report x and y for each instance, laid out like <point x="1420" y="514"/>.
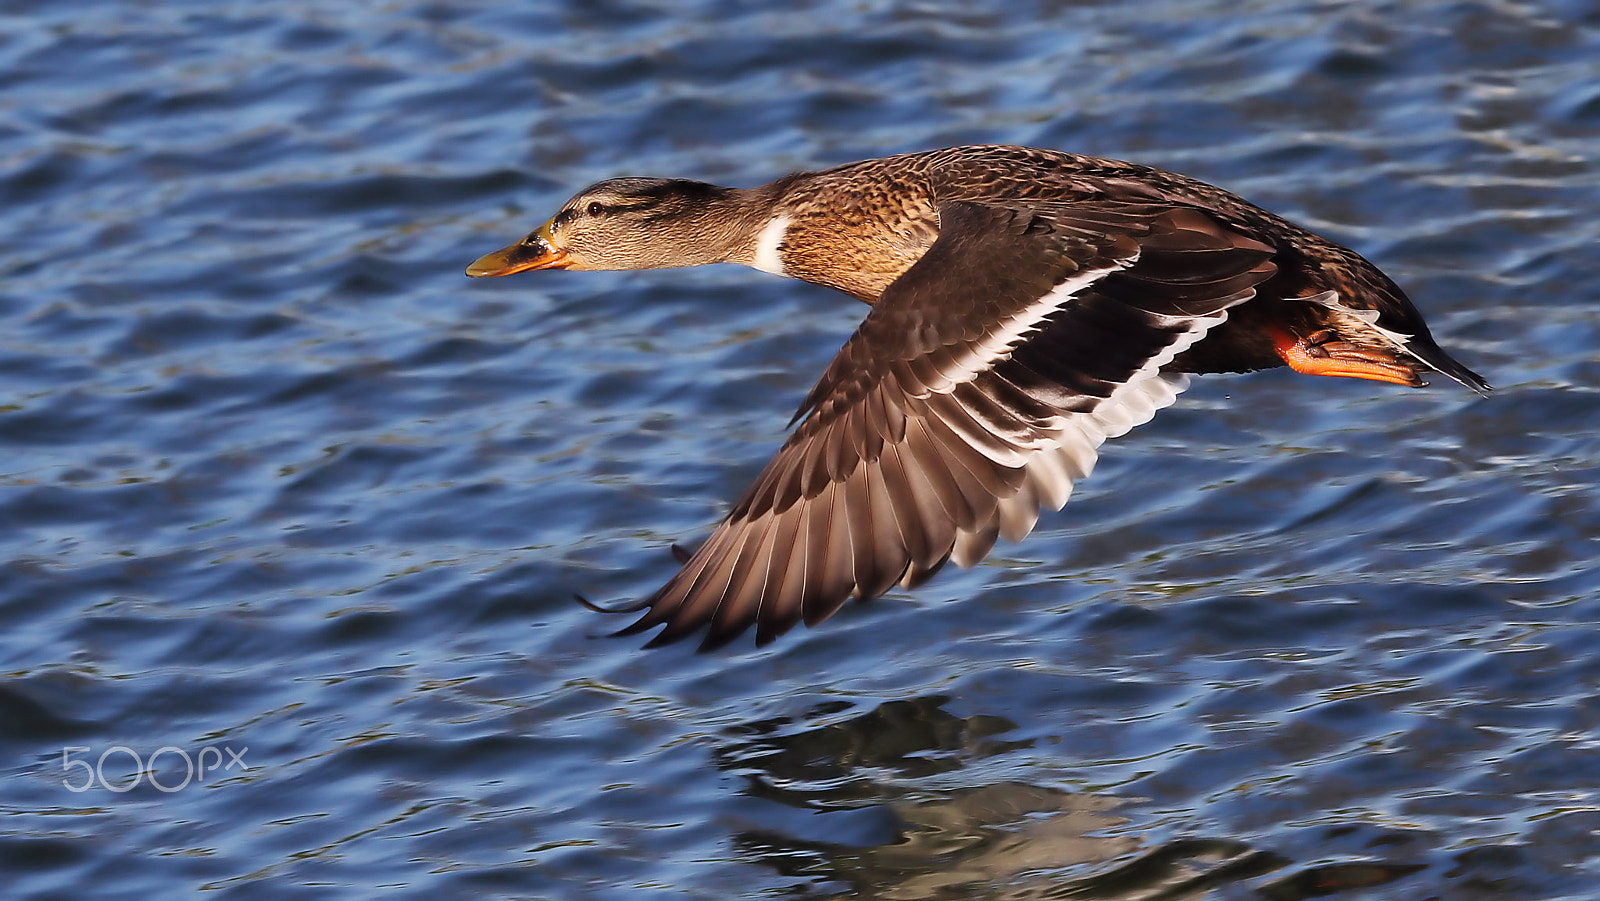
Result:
<point x="281" y="483"/>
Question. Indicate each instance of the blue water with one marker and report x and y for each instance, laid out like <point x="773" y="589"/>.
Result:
<point x="287" y="496"/>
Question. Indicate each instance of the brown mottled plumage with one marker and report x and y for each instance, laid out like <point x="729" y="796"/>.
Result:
<point x="1027" y="304"/>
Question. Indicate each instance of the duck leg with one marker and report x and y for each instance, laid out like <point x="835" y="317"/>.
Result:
<point x="1323" y="353"/>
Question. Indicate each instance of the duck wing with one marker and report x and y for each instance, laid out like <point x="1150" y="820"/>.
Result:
<point x="975" y="393"/>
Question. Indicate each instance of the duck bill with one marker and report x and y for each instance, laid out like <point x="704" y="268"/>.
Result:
<point x="534" y="252"/>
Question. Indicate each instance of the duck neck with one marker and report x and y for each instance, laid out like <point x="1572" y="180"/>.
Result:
<point x="742" y="232"/>
<point x="722" y="228"/>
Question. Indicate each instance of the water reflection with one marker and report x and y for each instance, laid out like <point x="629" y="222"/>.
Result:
<point x="897" y="830"/>
<point x="857" y="759"/>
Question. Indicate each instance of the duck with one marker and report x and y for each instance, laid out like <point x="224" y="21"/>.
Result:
<point x="1026" y="305"/>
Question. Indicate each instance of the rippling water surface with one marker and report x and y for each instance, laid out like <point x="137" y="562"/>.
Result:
<point x="279" y="482"/>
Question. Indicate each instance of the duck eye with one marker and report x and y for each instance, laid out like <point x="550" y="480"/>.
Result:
<point x="596" y="208"/>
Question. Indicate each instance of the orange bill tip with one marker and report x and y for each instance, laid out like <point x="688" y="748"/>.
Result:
<point x="536" y="252"/>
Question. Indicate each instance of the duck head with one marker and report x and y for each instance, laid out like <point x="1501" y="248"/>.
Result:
<point x="629" y="223"/>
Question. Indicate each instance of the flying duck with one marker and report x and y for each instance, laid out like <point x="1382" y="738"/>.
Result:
<point x="1027" y="305"/>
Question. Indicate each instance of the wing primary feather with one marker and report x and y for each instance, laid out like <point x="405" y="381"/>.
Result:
<point x="891" y="551"/>
<point x="748" y="582"/>
<point x="930" y="467"/>
<point x="785" y="574"/>
<point x="971" y="547"/>
<point x="929" y="517"/>
<point x="701" y="600"/>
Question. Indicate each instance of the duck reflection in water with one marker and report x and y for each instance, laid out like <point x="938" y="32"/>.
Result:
<point x="861" y="800"/>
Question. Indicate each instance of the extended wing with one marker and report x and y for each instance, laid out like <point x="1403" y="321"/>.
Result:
<point x="975" y="394"/>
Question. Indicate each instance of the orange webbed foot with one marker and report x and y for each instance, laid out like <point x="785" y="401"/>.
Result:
<point x="1323" y="353"/>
